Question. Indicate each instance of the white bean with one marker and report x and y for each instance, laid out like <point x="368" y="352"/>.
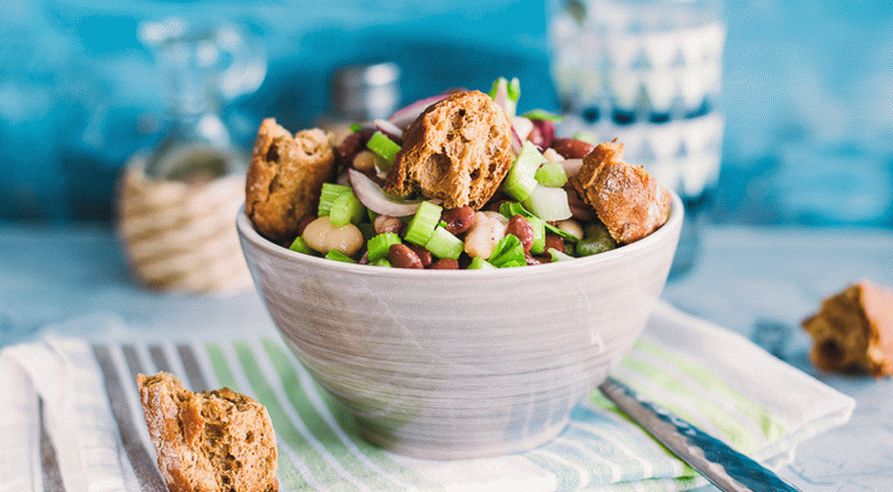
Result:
<point x="488" y="229"/>
<point x="323" y="237"/>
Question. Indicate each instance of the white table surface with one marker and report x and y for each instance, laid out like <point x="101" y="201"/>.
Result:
<point x="745" y="277"/>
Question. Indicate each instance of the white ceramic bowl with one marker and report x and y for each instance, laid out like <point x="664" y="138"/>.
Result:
<point x="461" y="363"/>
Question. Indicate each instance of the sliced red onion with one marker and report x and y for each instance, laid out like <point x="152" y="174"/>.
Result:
<point x="389" y="128"/>
<point x="522" y="127"/>
<point x="571" y="166"/>
<point x="516" y="142"/>
<point x="373" y="197"/>
<point x="403" y="117"/>
<point x="502" y="94"/>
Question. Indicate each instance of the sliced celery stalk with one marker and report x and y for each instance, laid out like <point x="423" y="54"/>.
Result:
<point x="330" y="193"/>
<point x="300" y="246"/>
<point x="521" y="179"/>
<point x="548" y="203"/>
<point x="443" y="244"/>
<point x="336" y="255"/>
<point x="478" y="263"/>
<point x="422" y="225"/>
<point x="551" y="174"/>
<point x="378" y="246"/>
<point x="346" y="209"/>
<point x="558" y="255"/>
<point x="383" y="147"/>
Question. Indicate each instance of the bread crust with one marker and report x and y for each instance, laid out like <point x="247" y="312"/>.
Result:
<point x="459" y="150"/>
<point x="627" y="199"/>
<point x="285" y="178"/>
<point x="853" y="331"/>
<point x="209" y="441"/>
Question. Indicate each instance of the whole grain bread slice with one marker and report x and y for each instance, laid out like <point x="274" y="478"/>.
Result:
<point x="285" y="178"/>
<point x="626" y="198"/>
<point x="210" y="441"/>
<point x="459" y="150"/>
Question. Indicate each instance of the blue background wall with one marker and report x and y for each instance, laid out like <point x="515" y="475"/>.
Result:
<point x="808" y="91"/>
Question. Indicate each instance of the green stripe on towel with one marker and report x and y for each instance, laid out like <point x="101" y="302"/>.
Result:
<point x="289" y="377"/>
<point x="287" y="473"/>
<point x="772" y="429"/>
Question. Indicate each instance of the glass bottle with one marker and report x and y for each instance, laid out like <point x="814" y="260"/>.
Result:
<point x="204" y="67"/>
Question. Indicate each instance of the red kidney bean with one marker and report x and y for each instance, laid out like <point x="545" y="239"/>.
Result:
<point x="401" y="256"/>
<point x="352" y="145"/>
<point x="458" y="220"/>
<point x="364" y="260"/>
<point x="554" y="241"/>
<point x="519" y="226"/>
<point x="445" y="264"/>
<point x="571" y="148"/>
<point x="423" y="254"/>
<point x="386" y="223"/>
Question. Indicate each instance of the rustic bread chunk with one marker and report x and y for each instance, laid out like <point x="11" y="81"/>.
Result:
<point x="853" y="331"/>
<point x="458" y="150"/>
<point x="210" y="441"/>
<point x="627" y="199"/>
<point x="285" y="177"/>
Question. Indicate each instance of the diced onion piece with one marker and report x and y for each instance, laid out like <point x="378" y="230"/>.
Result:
<point x="374" y="198"/>
<point x="388" y="128"/>
<point x="571" y="166"/>
<point x="522" y="127"/>
<point x="548" y="203"/>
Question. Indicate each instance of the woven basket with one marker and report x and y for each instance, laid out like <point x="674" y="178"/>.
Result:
<point x="181" y="236"/>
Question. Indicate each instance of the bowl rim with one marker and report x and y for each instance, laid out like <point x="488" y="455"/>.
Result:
<point x="677" y="212"/>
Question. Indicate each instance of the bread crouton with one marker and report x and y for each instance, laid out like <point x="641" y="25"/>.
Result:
<point x="285" y="178"/>
<point x="459" y="150"/>
<point x="853" y="331"/>
<point x="627" y="199"/>
<point x="209" y="441"/>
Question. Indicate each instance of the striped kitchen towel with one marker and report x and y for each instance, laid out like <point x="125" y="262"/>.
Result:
<point x="71" y="420"/>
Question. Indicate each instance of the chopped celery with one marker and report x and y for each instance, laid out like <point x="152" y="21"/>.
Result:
<point x="539" y="234"/>
<point x="356" y="127"/>
<point x="330" y="193"/>
<point x="336" y="255"/>
<point x="346" y="209"/>
<point x="444" y="244"/>
<point x="478" y="263"/>
<point x="551" y="174"/>
<point x="548" y="203"/>
<point x="383" y="147"/>
<point x="509" y="252"/>
<point x="381" y="262"/>
<point x="521" y="180"/>
<point x="510" y="209"/>
<point x="378" y="246"/>
<point x="300" y="246"/>
<point x="558" y="255"/>
<point x="512" y="92"/>
<point x="543" y="115"/>
<point x="565" y="235"/>
<point x="422" y="225"/>
<point x="585" y="137"/>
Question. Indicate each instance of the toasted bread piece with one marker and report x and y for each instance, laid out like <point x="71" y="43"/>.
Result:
<point x="285" y="178"/>
<point x="458" y="150"/>
<point x="853" y="331"/>
<point x="627" y="199"/>
<point x="209" y="441"/>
